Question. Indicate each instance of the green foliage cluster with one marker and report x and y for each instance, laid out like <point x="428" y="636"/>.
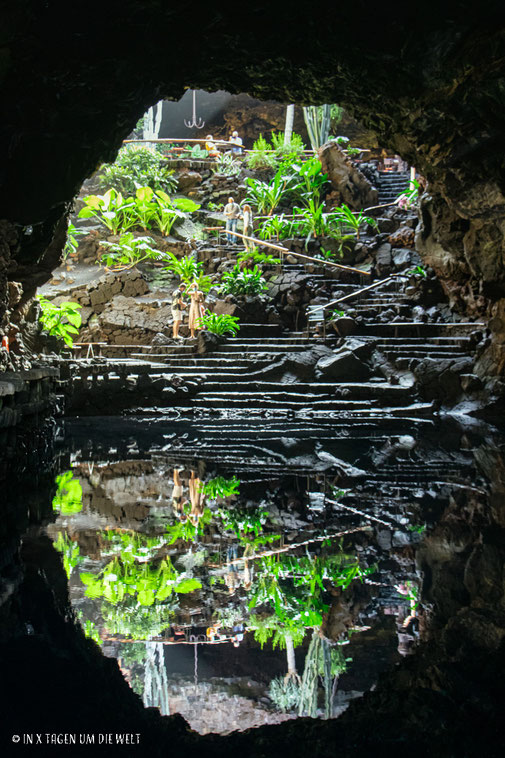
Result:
<point x="68" y="497"/>
<point x="248" y="282"/>
<point x="251" y="258"/>
<point x="72" y="242"/>
<point x="139" y="622"/>
<point x="61" y="321"/>
<point x="285" y="693"/>
<point x="188" y="270"/>
<point x="70" y="552"/>
<point x="146" y="582"/>
<point x="130" y="251"/>
<point x="220" y="487"/>
<point x="265" y="155"/>
<point x="219" y="323"/>
<point x="226" y="165"/>
<point x="146" y="209"/>
<point x="134" y="168"/>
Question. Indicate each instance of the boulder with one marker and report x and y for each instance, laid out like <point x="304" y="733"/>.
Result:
<point x="342" y="366"/>
<point x="352" y="186"/>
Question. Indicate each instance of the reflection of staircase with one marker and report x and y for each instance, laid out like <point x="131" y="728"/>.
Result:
<point x="390" y="184"/>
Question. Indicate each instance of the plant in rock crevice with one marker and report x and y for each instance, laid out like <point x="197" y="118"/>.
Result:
<point x="61" y="321"/>
<point x="250" y="258"/>
<point x="219" y="323"/>
<point x="68" y="497"/>
<point x="248" y="282"/>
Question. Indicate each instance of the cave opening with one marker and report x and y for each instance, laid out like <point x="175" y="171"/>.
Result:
<point x="297" y="512"/>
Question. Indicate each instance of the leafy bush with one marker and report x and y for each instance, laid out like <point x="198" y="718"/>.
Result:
<point x="248" y="282"/>
<point x="220" y="487"/>
<point x="261" y="155"/>
<point x="354" y="221"/>
<point x="68" y="497"/>
<point x="219" y="324"/>
<point x="134" y="168"/>
<point x="226" y="165"/>
<point x="189" y="271"/>
<point x="252" y="257"/>
<point x="276" y="227"/>
<point x="130" y="251"/>
<point x="72" y="243"/>
<point x="60" y="320"/>
<point x="292" y="150"/>
<point x="112" y="209"/>
<point x="266" y="196"/>
<point x="147" y="208"/>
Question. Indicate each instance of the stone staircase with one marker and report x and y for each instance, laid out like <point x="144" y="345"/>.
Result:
<point x="390" y="184"/>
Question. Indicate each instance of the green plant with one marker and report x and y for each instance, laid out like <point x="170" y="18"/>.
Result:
<point x="317" y="120"/>
<point x="250" y="257"/>
<point x="216" y="207"/>
<point x="266" y="196"/>
<point x="72" y="243"/>
<point x="139" y="622"/>
<point x="325" y="255"/>
<point x="70" y="552"/>
<point x="261" y="155"/>
<point x="335" y="313"/>
<point x="410" y="196"/>
<point x="61" y="321"/>
<point x="226" y="165"/>
<point x="130" y="251"/>
<point x="292" y="150"/>
<point x="168" y="210"/>
<point x="134" y="168"/>
<point x="417" y="271"/>
<point x="354" y="220"/>
<point x="285" y="693"/>
<point x="112" y="209"/>
<point x="308" y="180"/>
<point x="188" y="270"/>
<point x="68" y="497"/>
<point x="219" y="324"/>
<point x="248" y="282"/>
<point x="89" y="628"/>
<point x="220" y="487"/>
<point x="277" y="227"/>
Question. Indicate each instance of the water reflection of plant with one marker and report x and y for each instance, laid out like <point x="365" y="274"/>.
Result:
<point x="138" y="622"/>
<point x="89" y="628"/>
<point x="70" y="552"/>
<point x="292" y="587"/>
<point x="220" y="487"/>
<point x="132" y="545"/>
<point x="146" y="582"/>
<point x="68" y="497"/>
<point x="187" y="530"/>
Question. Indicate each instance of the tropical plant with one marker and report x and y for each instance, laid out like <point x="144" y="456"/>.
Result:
<point x="410" y="196"/>
<point x="261" y="155"/>
<point x="189" y="271"/>
<point x="353" y="220"/>
<point x="220" y="487"/>
<point x="252" y="257"/>
<point x="68" y="497"/>
<point x="168" y="210"/>
<point x="198" y="153"/>
<point x="266" y="196"/>
<point x="215" y="207"/>
<point x="276" y="227"/>
<point x="291" y="149"/>
<point x="61" y="321"/>
<point x="137" y="621"/>
<point x="130" y="251"/>
<point x="308" y="180"/>
<point x="72" y="243"/>
<point x="219" y="324"/>
<point x="226" y="165"/>
<point x="134" y="168"/>
<point x="248" y="282"/>
<point x="318" y="121"/>
<point x="336" y="313"/>
<point x="147" y="582"/>
<point x="417" y="271"/>
<point x="112" y="209"/>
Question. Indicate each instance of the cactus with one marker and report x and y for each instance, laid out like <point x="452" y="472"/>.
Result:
<point x="317" y="119"/>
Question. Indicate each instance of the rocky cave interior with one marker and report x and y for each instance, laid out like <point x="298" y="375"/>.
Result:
<point x="431" y="86"/>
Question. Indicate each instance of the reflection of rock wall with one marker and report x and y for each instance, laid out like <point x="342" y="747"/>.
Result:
<point x="216" y="705"/>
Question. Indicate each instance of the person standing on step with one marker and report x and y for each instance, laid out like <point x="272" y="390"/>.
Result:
<point x="236" y="141"/>
<point x="248" y="219"/>
<point x="178" y="305"/>
<point x="196" y="308"/>
<point x="231" y="214"/>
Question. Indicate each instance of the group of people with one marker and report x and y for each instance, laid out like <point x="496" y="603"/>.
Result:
<point x="234" y="140"/>
<point x="187" y="508"/>
<point x="180" y="304"/>
<point x="232" y="213"/>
